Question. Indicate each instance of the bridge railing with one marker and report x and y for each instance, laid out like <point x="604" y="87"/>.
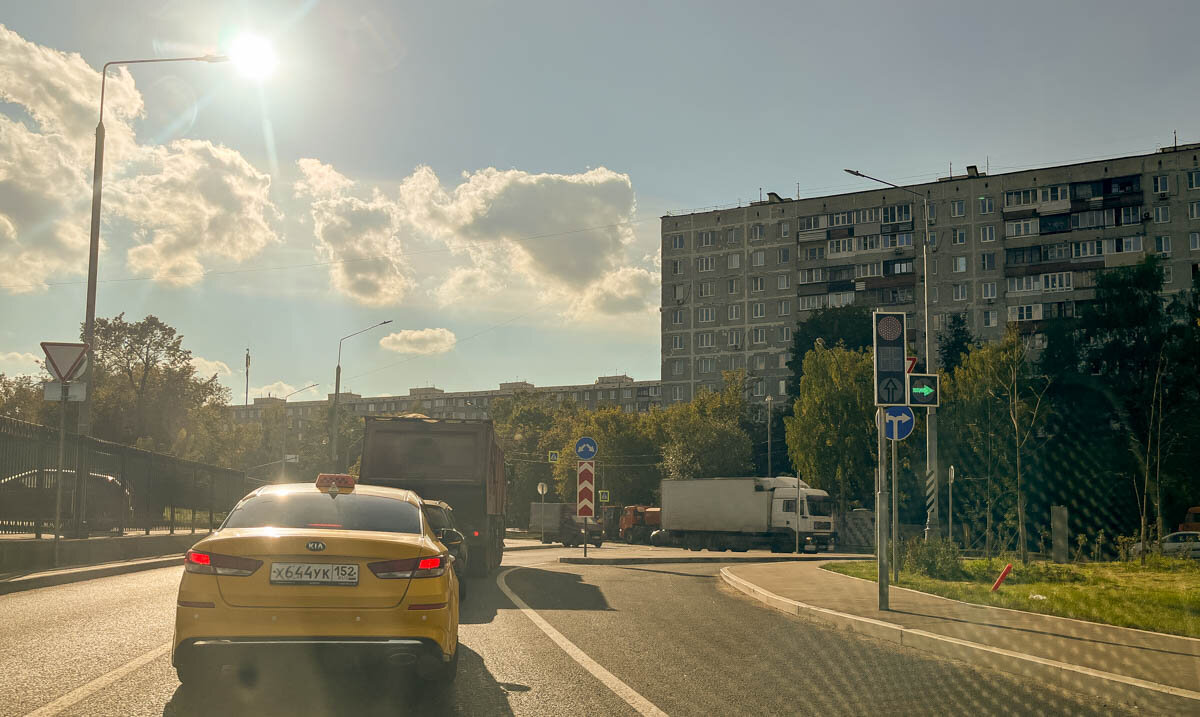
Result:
<point x="106" y="487"/>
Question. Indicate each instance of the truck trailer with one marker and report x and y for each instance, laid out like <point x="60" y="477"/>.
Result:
<point x="458" y="461"/>
<point x="743" y="513"/>
<point x="558" y="523"/>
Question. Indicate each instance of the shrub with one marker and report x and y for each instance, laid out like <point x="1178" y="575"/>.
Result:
<point x="936" y="558"/>
<point x="1125" y="547"/>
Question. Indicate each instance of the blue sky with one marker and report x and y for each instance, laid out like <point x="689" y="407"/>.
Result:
<point x="490" y="175"/>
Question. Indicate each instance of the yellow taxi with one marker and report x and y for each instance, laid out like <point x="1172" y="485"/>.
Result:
<point x="320" y="571"/>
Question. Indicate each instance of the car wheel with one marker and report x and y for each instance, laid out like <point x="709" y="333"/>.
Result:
<point x="598" y="543"/>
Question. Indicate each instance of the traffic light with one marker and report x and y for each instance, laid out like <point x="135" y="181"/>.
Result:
<point x="923" y="389"/>
<point x="889" y="338"/>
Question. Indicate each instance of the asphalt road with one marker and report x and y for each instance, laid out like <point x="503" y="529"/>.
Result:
<point x="671" y="637"/>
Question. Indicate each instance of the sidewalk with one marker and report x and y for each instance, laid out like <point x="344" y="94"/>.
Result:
<point x="1157" y="671"/>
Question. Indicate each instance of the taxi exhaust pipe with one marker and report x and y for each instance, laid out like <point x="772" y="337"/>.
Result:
<point x="401" y="658"/>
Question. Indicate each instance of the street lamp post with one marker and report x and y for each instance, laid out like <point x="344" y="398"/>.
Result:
<point x="931" y="469"/>
<point x="337" y="390"/>
<point x="770" y="415"/>
<point x="283" y="433"/>
<point x="89" y="323"/>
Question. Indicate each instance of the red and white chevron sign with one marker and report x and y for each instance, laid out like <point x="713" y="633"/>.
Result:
<point x="586" y="472"/>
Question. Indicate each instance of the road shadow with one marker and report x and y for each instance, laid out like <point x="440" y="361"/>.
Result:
<point x="706" y="576"/>
<point x="304" y="690"/>
<point x="555" y="590"/>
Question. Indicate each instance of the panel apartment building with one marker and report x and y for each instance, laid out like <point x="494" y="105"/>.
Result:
<point x="307" y="416"/>
<point x="1020" y="247"/>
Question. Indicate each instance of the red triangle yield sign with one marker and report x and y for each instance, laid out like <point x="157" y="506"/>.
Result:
<point x="63" y="359"/>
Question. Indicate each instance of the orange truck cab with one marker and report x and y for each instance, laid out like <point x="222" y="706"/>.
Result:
<point x="1191" y="521"/>
<point x="638" y="522"/>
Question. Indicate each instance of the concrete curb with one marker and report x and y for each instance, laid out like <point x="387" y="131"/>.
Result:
<point x="690" y="559"/>
<point x="1160" y="698"/>
<point x="510" y="548"/>
<point x="88" y="572"/>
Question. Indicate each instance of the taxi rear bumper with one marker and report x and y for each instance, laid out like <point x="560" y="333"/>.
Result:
<point x="321" y="652"/>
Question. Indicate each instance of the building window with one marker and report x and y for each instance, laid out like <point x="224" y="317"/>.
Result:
<point x="1126" y="244"/>
<point x="898" y="266"/>
<point x="760" y="388"/>
<point x="677" y="393"/>
<point x="866" y="216"/>
<point x="808" y="303"/>
<point x="1131" y="215"/>
<point x="1020" y="198"/>
<point x="676" y="267"/>
<point x="868" y="242"/>
<point x="706" y="288"/>
<point x="785" y="230"/>
<point x="705" y="263"/>
<point x="933" y="266"/>
<point x="1082" y="249"/>
<point x="933" y="295"/>
<point x="1168" y="275"/>
<point x="1162" y="244"/>
<point x="785" y="333"/>
<point x="986" y="205"/>
<point x="783" y="387"/>
<point x="731" y="236"/>
<point x="1028" y="312"/>
<point x="735" y="312"/>
<point x="783" y="281"/>
<point x="735" y="338"/>
<point x="733" y="261"/>
<point x="845" y="298"/>
<point x="958" y="207"/>
<point x="987" y="261"/>
<point x="1058" y="281"/>
<point x="758" y="283"/>
<point x="1024" y="284"/>
<point x="987" y="233"/>
<point x="706" y="314"/>
<point x="811" y="276"/>
<point x="785" y="255"/>
<point x="760" y="362"/>
<point x="1194" y="241"/>
<point x="960" y="236"/>
<point x="961" y="291"/>
<point x="807" y="224"/>
<point x="1021" y="228"/>
<point x="705" y="365"/>
<point x="705" y="239"/>
<point x="704" y="340"/>
<point x="987" y="290"/>
<point x="960" y="264"/>
<point x="757" y="231"/>
<point x="1160" y="184"/>
<point x="758" y="310"/>
<point x="1162" y="214"/>
<point x="898" y="213"/>
<point x="760" y="336"/>
<point x="732" y="286"/>
<point x="862" y="271"/>
<point x="758" y="258"/>
<point x="680" y="292"/>
<point x="989" y="318"/>
<point x="841" y="246"/>
<point x="1056" y="193"/>
<point x="677" y="241"/>
<point x="897" y="240"/>
<point x="813" y="253"/>
<point x="841" y="219"/>
<point x="1193" y="210"/>
<point x="785" y="307"/>
<point x="677" y="317"/>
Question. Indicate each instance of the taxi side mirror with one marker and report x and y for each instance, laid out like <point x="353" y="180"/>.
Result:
<point x="450" y="537"/>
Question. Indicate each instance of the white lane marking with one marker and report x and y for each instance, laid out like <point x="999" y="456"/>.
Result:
<point x="83" y="692"/>
<point x="641" y="704"/>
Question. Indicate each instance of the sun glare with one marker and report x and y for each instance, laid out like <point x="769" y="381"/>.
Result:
<point x="253" y="56"/>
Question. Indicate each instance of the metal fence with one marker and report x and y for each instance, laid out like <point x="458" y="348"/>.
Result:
<point x="122" y="489"/>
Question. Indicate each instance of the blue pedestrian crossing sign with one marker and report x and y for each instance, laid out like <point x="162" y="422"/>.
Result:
<point x="586" y="448"/>
<point x="898" y="423"/>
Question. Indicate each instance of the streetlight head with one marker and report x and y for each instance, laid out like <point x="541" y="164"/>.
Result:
<point x="385" y="322"/>
<point x="254" y="56"/>
<point x="851" y="171"/>
<point x="214" y="58"/>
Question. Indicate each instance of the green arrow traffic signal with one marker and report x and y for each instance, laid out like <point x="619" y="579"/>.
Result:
<point x="923" y="390"/>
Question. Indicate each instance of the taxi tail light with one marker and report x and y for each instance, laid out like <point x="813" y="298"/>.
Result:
<point x="217" y="564"/>
<point x="431" y="567"/>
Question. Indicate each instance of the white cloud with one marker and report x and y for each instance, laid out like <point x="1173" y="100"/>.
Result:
<point x="206" y="368"/>
<point x="20" y="363"/>
<point x="198" y="201"/>
<point x="424" y="342"/>
<point x="628" y="290"/>
<point x="279" y="389"/>
<point x="467" y="284"/>
<point x="357" y="234"/>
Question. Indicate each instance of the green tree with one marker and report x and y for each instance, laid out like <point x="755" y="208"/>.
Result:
<point x="848" y="325"/>
<point x="21" y="397"/>
<point x="704" y="438"/>
<point x="831" y="436"/>
<point x="954" y="341"/>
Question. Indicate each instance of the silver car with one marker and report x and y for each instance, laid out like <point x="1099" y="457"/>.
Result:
<point x="1184" y="544"/>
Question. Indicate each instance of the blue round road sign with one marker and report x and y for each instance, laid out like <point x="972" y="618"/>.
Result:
<point x="898" y="423"/>
<point x="586" y="448"/>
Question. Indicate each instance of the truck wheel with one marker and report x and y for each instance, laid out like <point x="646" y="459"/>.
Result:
<point x="629" y="537"/>
<point x="598" y="543"/>
<point x="481" y="565"/>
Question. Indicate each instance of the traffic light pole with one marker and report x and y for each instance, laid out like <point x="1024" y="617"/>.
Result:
<point x="881" y="516"/>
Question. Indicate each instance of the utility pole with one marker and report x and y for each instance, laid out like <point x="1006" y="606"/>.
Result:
<point x="881" y="517"/>
<point x="247" y="403"/>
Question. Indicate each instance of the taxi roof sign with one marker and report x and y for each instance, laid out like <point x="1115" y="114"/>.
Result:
<point x="335" y="483"/>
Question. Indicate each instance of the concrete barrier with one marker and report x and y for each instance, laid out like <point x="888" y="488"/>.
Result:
<point x="32" y="555"/>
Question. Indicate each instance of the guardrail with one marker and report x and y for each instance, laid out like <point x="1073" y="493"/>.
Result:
<point x="122" y="488"/>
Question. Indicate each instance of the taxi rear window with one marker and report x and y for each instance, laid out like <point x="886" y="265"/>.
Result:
<point x="348" y="511"/>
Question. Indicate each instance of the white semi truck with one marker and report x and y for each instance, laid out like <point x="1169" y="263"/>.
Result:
<point x="742" y="513"/>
